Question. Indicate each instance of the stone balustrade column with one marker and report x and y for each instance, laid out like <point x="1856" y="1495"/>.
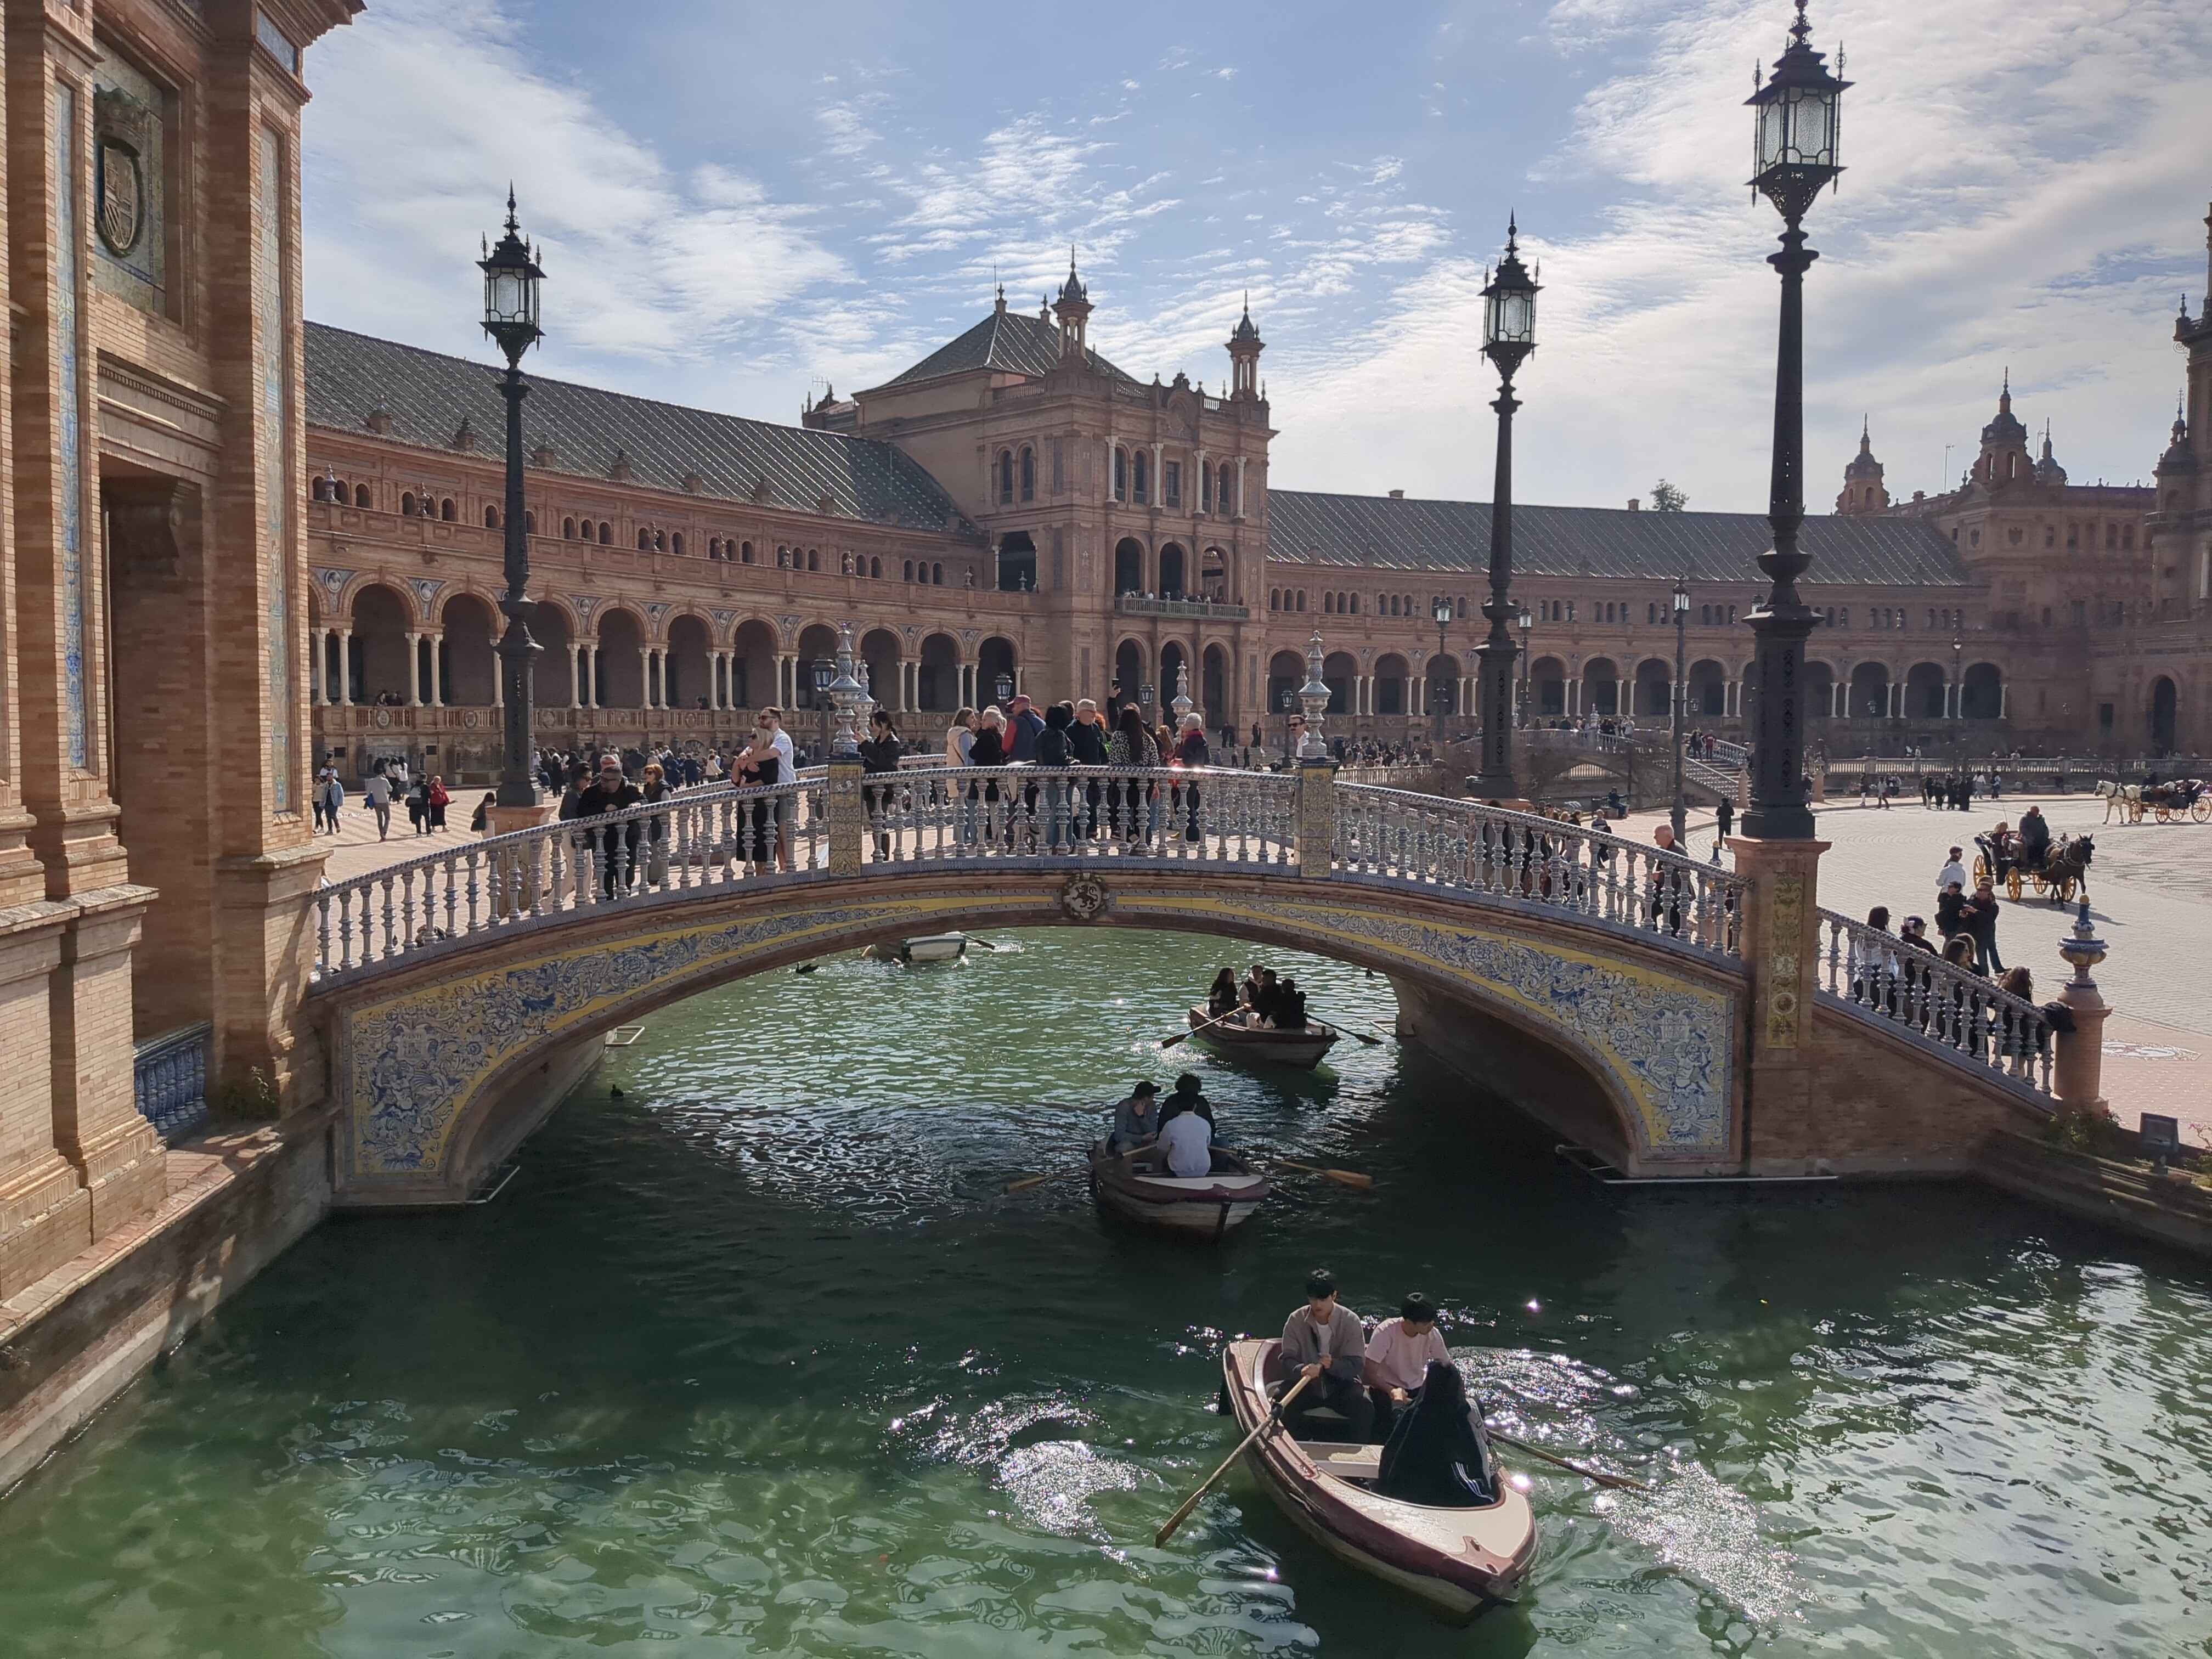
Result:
<point x="575" y="675"/>
<point x="1317" y="816"/>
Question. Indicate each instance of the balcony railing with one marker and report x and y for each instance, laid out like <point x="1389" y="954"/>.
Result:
<point x="169" y="1080"/>
<point x="1139" y="604"/>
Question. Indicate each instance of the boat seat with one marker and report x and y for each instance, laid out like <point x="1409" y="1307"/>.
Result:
<point x="1340" y="1458"/>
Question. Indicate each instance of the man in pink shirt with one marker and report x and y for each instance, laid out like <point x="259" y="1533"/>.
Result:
<point x="1398" y="1357"/>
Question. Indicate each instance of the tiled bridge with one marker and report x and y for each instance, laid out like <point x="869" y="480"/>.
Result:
<point x="1680" y="1019"/>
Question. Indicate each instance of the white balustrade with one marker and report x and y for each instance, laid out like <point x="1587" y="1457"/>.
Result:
<point x="1884" y="978"/>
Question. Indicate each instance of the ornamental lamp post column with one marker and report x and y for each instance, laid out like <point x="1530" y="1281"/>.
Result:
<point x="1443" y="611"/>
<point x="1313" y="700"/>
<point x="1509" y="335"/>
<point x="512" y="276"/>
<point x="1794" y="158"/>
<point x="1681" y="815"/>
<point x="1528" y="622"/>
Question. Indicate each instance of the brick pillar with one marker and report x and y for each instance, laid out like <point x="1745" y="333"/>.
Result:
<point x="1778" y="1132"/>
<point x="848" y="818"/>
<point x="1317" y="816"/>
<point x="45" y="1213"/>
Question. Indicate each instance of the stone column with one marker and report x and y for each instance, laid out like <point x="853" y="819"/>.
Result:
<point x="345" y="668"/>
<point x="1780" y="1135"/>
<point x="437" y="697"/>
<point x="575" y="675"/>
<point x="599" y="691"/>
<point x="2077" y="1067"/>
<point x="653" y="699"/>
<point x="414" y="669"/>
<point x="1160" y="495"/>
<point x="1317" y="816"/>
<point x="1240" y="486"/>
<point x="319" y="669"/>
<point x="499" y="693"/>
<point x="1108" y="493"/>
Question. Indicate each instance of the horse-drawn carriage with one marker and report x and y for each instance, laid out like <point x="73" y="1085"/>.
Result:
<point x="2169" y="802"/>
<point x="2062" y="869"/>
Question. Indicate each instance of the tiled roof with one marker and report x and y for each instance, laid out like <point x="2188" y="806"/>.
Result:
<point x="428" y="395"/>
<point x="1383" y="534"/>
<point x="1015" y="342"/>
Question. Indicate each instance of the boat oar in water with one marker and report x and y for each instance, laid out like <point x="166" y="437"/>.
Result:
<point x="1341" y="1177"/>
<point x="1028" y="1182"/>
<point x="1371" y="1040"/>
<point x="1185" y="1036"/>
<point x="1270" y="1421"/>
<point x="1598" y="1475"/>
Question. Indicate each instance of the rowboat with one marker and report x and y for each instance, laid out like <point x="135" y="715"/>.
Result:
<point x="929" y="947"/>
<point x="1232" y="1039"/>
<point x="1456" y="1561"/>
<point x="1137" y="1185"/>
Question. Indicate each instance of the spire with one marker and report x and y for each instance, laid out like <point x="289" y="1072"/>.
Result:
<point x="1072" y="289"/>
<point x="2004" y="398"/>
<point x="1866" y="435"/>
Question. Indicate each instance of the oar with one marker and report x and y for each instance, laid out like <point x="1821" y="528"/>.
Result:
<point x="1598" y="1475"/>
<point x="1028" y="1182"/>
<point x="1371" y="1042"/>
<point x="1271" y="1421"/>
<point x="1342" y="1177"/>
<point x="1170" y="1043"/>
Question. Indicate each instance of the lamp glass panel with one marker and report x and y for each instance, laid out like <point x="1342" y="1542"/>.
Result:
<point x="1773" y="142"/>
<point x="506" y="295"/>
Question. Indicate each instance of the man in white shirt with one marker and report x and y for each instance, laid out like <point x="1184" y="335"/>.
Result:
<point x="1187" y="1139"/>
<point x="1398" y="1357"/>
<point x="377" y="792"/>
<point x="786" y="770"/>
<point x="1951" y="871"/>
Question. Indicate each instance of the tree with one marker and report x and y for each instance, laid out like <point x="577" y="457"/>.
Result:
<point x="1668" y="498"/>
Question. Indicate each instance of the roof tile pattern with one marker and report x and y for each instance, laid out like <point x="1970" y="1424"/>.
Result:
<point x="1304" y="527"/>
<point x="1013" y="342"/>
<point x="428" y="395"/>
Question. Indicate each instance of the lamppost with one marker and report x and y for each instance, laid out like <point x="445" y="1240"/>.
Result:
<point x="1681" y="815"/>
<point x="1288" y="703"/>
<point x="1794" y="158"/>
<point x="1439" y="692"/>
<point x="1509" y="335"/>
<point x="823" y="673"/>
<point x="1004" y="687"/>
<point x="1528" y="622"/>
<point x="510" y="317"/>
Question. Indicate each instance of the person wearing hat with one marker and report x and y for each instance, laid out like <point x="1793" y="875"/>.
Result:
<point x="1398" y="1357"/>
<point x="611" y="791"/>
<point x="1135" y="1123"/>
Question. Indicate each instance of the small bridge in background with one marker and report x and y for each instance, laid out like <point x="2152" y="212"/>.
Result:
<point x="1678" y="1019"/>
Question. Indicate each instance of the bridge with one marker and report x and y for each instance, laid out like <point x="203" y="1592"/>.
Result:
<point x="1680" y="1019"/>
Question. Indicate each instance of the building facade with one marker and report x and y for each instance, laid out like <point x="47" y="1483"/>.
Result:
<point x="1015" y="510"/>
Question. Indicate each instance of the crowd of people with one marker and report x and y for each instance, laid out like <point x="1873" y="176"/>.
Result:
<point x="386" y="779"/>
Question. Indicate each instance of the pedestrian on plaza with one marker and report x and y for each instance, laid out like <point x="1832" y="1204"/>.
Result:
<point x="655" y="789"/>
<point x="438" y="800"/>
<point x="1024" y="724"/>
<point x="616" y="843"/>
<point x="879" y="758"/>
<point x="1980" y="918"/>
<point x="418" y="807"/>
<point x="1724" y="815"/>
<point x="960" y="737"/>
<point x="1954" y="873"/>
<point x="315" y="798"/>
<point x="1951" y="912"/>
<point x="1966" y="796"/>
<point x="480" y="820"/>
<point x="376" y="790"/>
<point x="1131" y="746"/>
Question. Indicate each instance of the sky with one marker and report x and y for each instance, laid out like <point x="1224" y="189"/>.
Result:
<point x="740" y="203"/>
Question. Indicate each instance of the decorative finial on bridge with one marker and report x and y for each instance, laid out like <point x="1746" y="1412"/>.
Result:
<point x="1181" y="703"/>
<point x="848" y="697"/>
<point x="1313" y="697"/>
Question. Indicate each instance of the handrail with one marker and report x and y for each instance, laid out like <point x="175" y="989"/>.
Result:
<point x="1882" y="977"/>
<point x="1458" y="844"/>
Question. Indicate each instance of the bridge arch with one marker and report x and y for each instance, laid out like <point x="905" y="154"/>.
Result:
<point x="442" y="1067"/>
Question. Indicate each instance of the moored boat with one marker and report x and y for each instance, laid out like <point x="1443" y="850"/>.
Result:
<point x="1456" y="1561"/>
<point x="1303" y="1048"/>
<point x="1138" y="1185"/>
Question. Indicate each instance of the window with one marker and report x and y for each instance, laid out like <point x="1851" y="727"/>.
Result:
<point x="361" y="496"/>
<point x="2073" y="535"/>
<point x="1226" y="489"/>
<point x="447" y="511"/>
<point x="1138" y="479"/>
<point x="1327" y="604"/>
<point x="491" y="518"/>
<point x="908" y="576"/>
<point x="407" y="504"/>
<point x="1205" y="486"/>
<point x="644" y="539"/>
<point x="2050" y="536"/>
<point x="1975" y="538"/>
<point x="1006" y="477"/>
<point x="2111" y="538"/>
<point x="2047" y="615"/>
<point x="675" y="543"/>
<point x="2127" y="538"/>
<point x="1274" y="598"/>
<point x="568" y="529"/>
<point x="937" y="575"/>
<point x="1029" y="475"/>
<point x="1121" y="475"/>
<point x="529" y="524"/>
<point x="1355" y="604"/>
<point x="782" y="557"/>
<point x="1171" y="484"/>
<point x="2081" y="613"/>
<point x="744" y="552"/>
<point x="1058" y="466"/>
<point x="1570" y="610"/>
<point x="875" y="569"/>
<point x="1731" y="615"/>
<point x="606" y="534"/>
<point x="1302" y="598"/>
<point x="814" y="558"/>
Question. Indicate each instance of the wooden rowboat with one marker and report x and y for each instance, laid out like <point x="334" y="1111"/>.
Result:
<point x="926" y="947"/>
<point x="1457" y="1561"/>
<point x="1303" y="1048"/>
<point x="1137" y="1185"/>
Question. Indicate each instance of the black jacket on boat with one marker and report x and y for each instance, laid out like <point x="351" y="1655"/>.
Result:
<point x="1436" y="1455"/>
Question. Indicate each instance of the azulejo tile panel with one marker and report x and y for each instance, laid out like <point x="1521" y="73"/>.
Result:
<point x="1668" y="1043"/>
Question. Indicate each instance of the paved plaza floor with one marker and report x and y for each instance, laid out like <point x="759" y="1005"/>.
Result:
<point x="2150" y="890"/>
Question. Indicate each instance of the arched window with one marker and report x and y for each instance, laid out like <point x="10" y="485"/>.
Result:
<point x="1355" y="604"/>
<point x="1302" y="598"/>
<point x="407" y="504"/>
<point x="491" y="518"/>
<point x="1138" y="491"/>
<point x="606" y="534"/>
<point x="675" y="543"/>
<point x="569" y="529"/>
<point x="909" y="570"/>
<point x="875" y="568"/>
<point x="1327" y="604"/>
<point x="447" y="511"/>
<point x="1205" y="486"/>
<point x="1120" y="474"/>
<point x="744" y="552"/>
<point x="529" y="522"/>
<point x="814" y="558"/>
<point x="1029" y="475"/>
<point x="361" y="496"/>
<point x="1006" y="477"/>
<point x="1274" y="598"/>
<point x="937" y="575"/>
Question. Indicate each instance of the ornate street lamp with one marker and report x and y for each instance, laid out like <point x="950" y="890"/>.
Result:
<point x="822" y="673"/>
<point x="1528" y="622"/>
<point x="1004" y="687"/>
<point x="1509" y="335"/>
<point x="1439" y="692"/>
<point x="510" y="316"/>
<point x="1793" y="160"/>
<point x="847" y="696"/>
<point x="1681" y="815"/>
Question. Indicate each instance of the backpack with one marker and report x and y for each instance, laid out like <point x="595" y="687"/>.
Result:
<point x="1053" y="748"/>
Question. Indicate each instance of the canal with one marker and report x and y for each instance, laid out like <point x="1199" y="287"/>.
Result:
<point x="755" y="1356"/>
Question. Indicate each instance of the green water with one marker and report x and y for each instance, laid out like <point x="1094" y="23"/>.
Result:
<point x="759" y="1360"/>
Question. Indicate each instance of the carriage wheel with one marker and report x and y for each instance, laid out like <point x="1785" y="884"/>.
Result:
<point x="2202" y="811"/>
<point x="1981" y="869"/>
<point x="2012" y="884"/>
<point x="2061" y="892"/>
<point x="2165" y="815"/>
<point x="2036" y="876"/>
